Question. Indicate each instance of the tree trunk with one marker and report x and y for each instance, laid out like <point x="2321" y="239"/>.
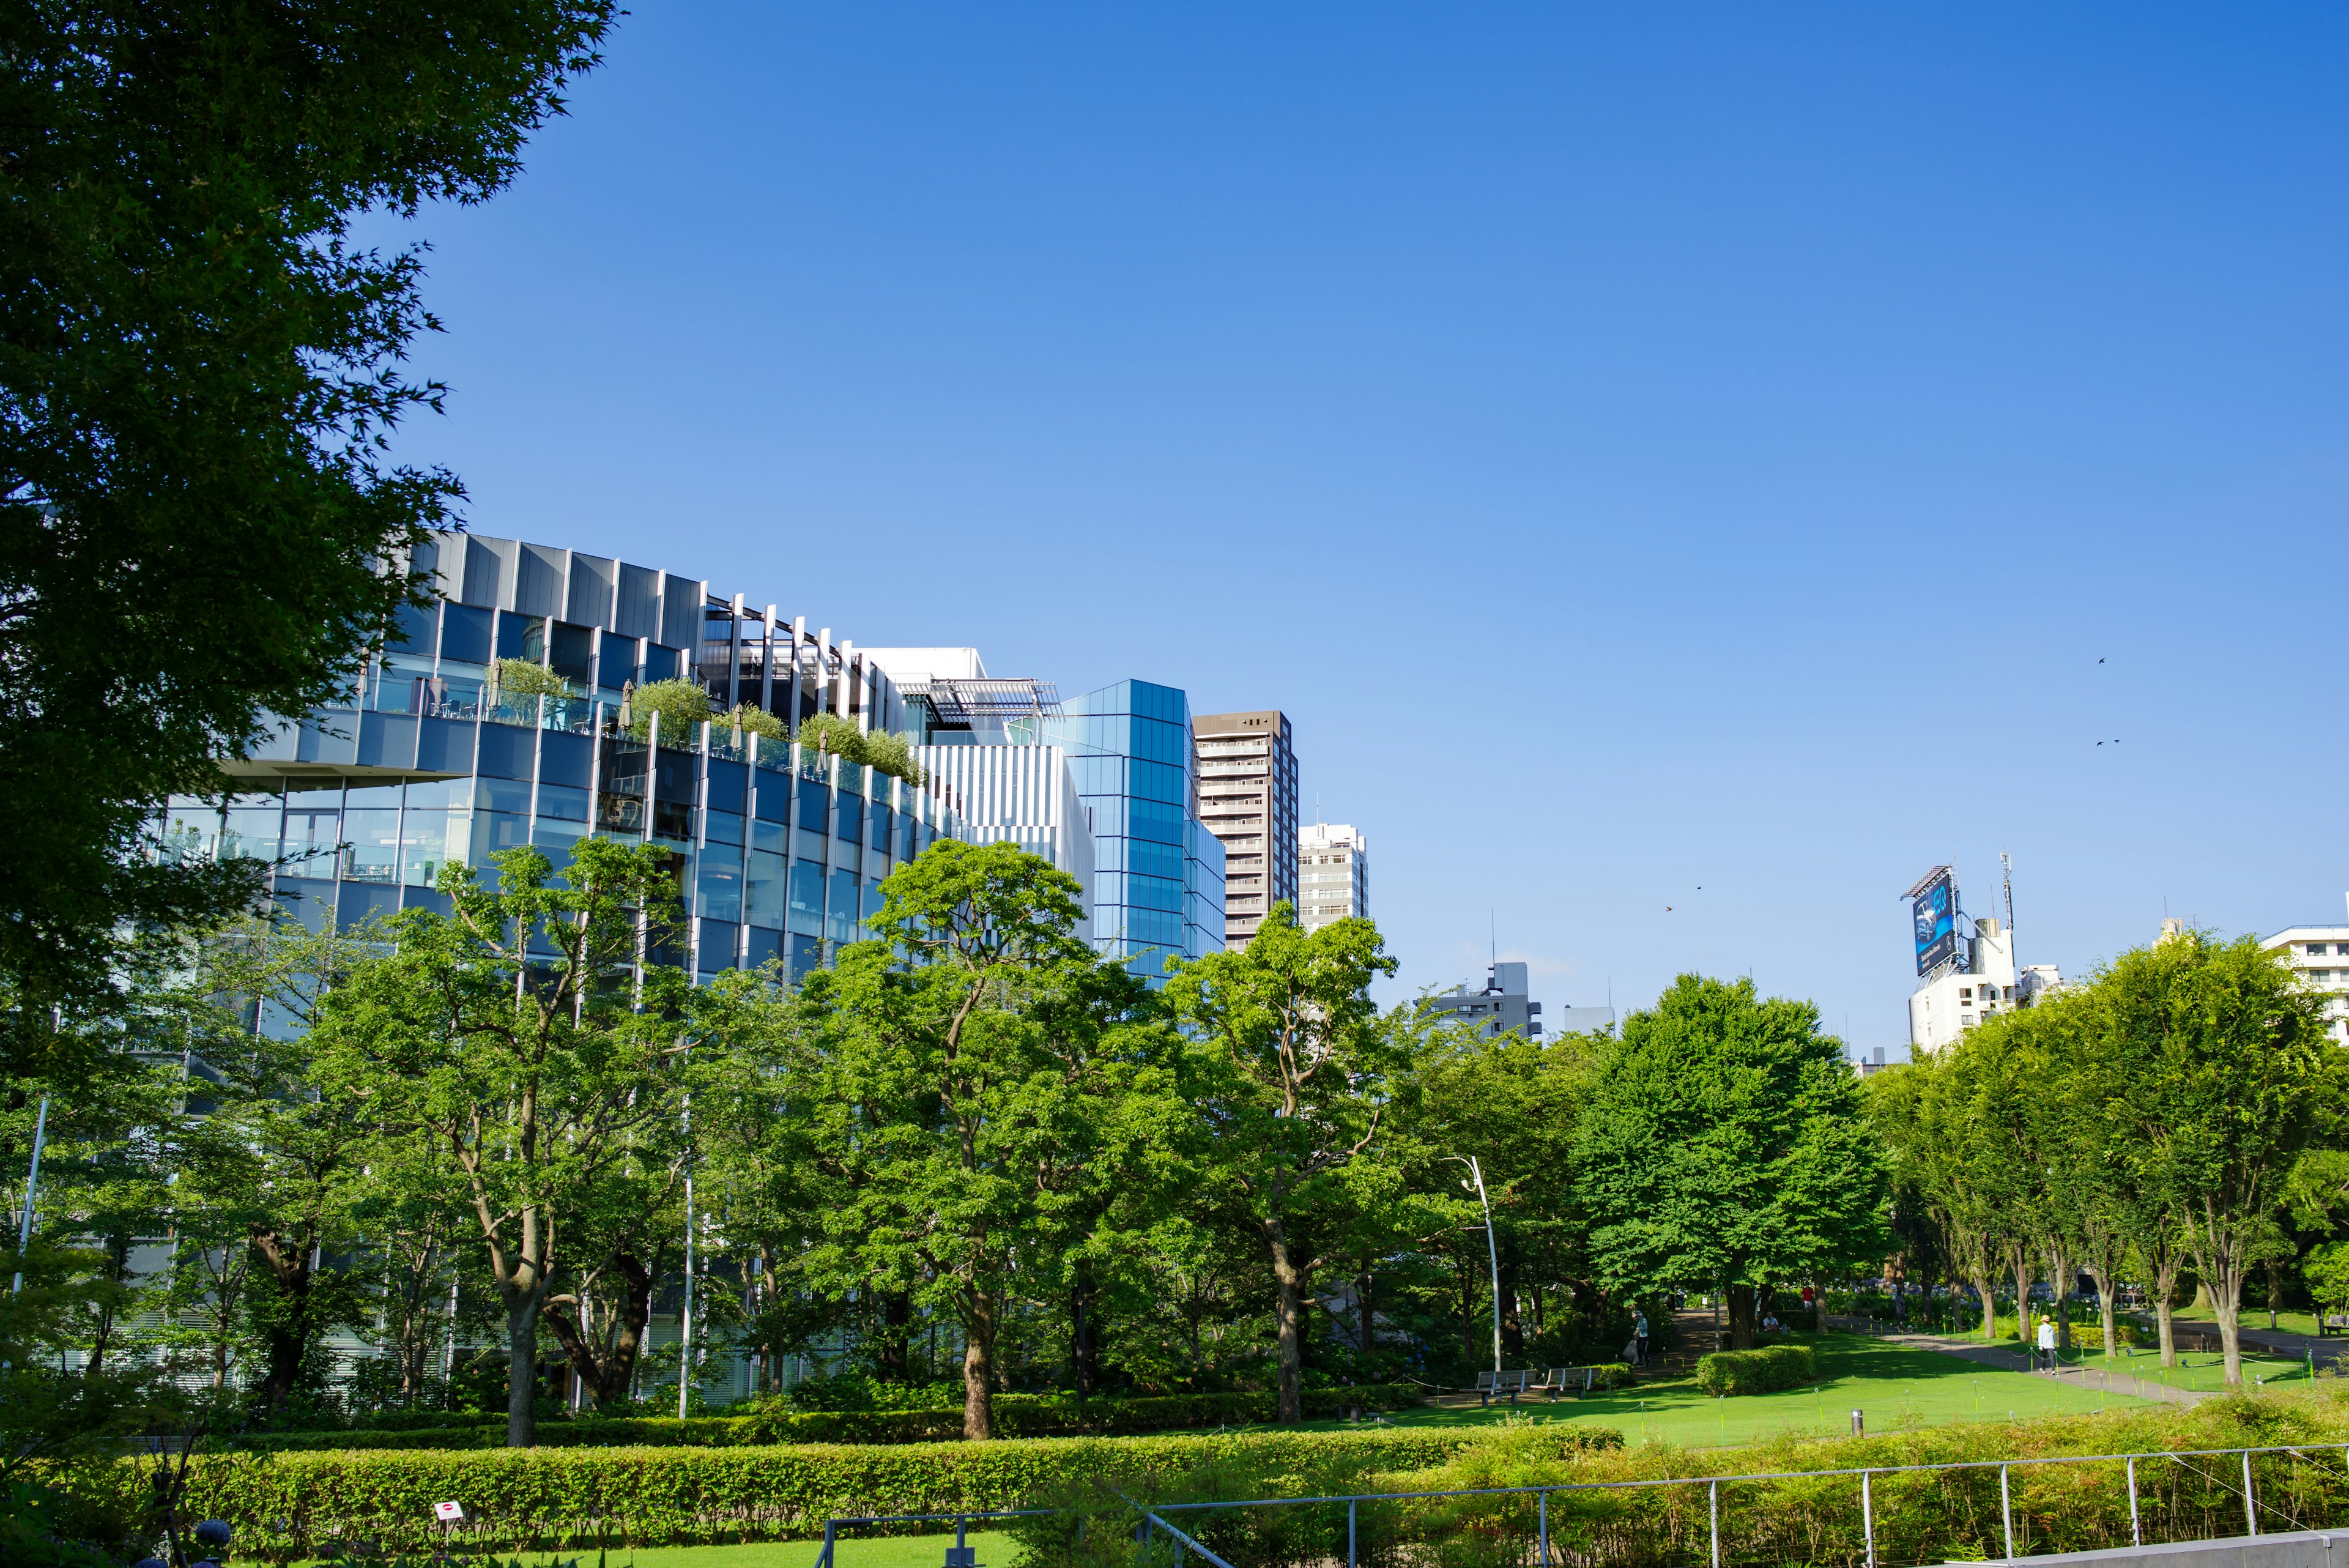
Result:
<point x="2059" y="1290"/>
<point x="1741" y="1317"/>
<point x="1983" y="1283"/>
<point x="2275" y="1288"/>
<point x="1365" y="1319"/>
<point x="2107" y="1291"/>
<point x="894" y="1359"/>
<point x="1289" y="1320"/>
<point x="1080" y="1358"/>
<point x="2022" y="1263"/>
<point x="521" y="1367"/>
<point x="2226" y="1288"/>
<point x="286" y="1339"/>
<point x="608" y="1371"/>
<point x="978" y="1368"/>
<point x="1513" y="1331"/>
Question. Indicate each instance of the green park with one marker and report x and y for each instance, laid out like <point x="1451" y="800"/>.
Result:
<point x="524" y="1051"/>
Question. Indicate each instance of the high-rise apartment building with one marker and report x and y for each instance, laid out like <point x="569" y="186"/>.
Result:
<point x="2320" y="954"/>
<point x="1247" y="798"/>
<point x="1333" y="874"/>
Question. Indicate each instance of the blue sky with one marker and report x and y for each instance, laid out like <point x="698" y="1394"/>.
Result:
<point x="1680" y="468"/>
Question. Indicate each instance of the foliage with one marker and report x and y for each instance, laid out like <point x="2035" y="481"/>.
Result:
<point x="839" y="735"/>
<point x="520" y="1039"/>
<point x="1013" y="1416"/>
<point x="1727" y="1373"/>
<point x="1293" y="1058"/>
<point x="683" y="706"/>
<point x="528" y="678"/>
<point x="286" y="1505"/>
<point x="1726" y="1148"/>
<point x="971" y="1101"/>
<point x="200" y="368"/>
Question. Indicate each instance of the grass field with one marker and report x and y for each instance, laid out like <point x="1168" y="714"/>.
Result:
<point x="2195" y="1372"/>
<point x="1892" y="1384"/>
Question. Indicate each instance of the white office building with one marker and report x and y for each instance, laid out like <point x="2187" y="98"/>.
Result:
<point x="1333" y="874"/>
<point x="2321" y="956"/>
<point x="1984" y="983"/>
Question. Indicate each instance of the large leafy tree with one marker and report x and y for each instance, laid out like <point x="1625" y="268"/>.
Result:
<point x="1296" y="1061"/>
<point x="1723" y="1145"/>
<point x="523" y="1037"/>
<point x="199" y="527"/>
<point x="2213" y="1056"/>
<point x="989" y="1080"/>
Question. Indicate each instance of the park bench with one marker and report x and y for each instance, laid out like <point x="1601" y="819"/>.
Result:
<point x="2336" y="1323"/>
<point x="1491" y="1385"/>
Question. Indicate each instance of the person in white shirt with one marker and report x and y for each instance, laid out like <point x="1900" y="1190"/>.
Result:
<point x="2047" y="1341"/>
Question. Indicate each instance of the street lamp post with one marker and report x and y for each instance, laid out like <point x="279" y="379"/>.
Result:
<point x="1491" y="1250"/>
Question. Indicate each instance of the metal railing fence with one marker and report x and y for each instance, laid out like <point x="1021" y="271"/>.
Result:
<point x="1531" y="1533"/>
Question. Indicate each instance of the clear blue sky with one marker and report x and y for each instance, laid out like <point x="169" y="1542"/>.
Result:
<point x="1643" y="449"/>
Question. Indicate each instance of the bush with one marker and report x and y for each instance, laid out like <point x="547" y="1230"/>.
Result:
<point x="1016" y="1416"/>
<point x="287" y="1506"/>
<point x="1766" y="1371"/>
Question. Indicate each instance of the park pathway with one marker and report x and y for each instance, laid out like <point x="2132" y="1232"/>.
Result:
<point x="2007" y="1357"/>
<point x="2328" y="1352"/>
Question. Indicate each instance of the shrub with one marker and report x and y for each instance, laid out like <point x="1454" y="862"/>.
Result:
<point x="877" y="749"/>
<point x="1765" y="1371"/>
<point x="287" y="1506"/>
<point x="521" y="677"/>
<point x="682" y="705"/>
<point x="1016" y="1416"/>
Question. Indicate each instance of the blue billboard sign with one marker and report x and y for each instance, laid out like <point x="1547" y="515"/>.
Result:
<point x="1935" y="903"/>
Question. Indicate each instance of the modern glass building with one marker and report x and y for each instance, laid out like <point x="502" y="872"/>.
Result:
<point x="1158" y="873"/>
<point x="779" y="852"/>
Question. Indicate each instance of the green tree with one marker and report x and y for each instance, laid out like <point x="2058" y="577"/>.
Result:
<point x="1297" y="1059"/>
<point x="1725" y="1146"/>
<point x="198" y="363"/>
<point x="2215" y="1057"/>
<point x="987" y="1073"/>
<point x="545" y="1063"/>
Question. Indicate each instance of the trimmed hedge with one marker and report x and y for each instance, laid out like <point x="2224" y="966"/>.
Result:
<point x="292" y="1505"/>
<point x="1766" y="1371"/>
<point x="1016" y="1416"/>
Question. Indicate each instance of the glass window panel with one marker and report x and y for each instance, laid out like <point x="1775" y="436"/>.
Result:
<point x="871" y="898"/>
<point x="722" y="826"/>
<point x="393" y="684"/>
<point x="464" y="635"/>
<point x="721" y="892"/>
<point x="841" y="914"/>
<point x="561" y="803"/>
<point x="810" y="846"/>
<point x="884" y="823"/>
<point x="372" y="852"/>
<point x="848" y="815"/>
<point x="191" y="833"/>
<point x="445" y="794"/>
<point x="768" y="835"/>
<point x="806" y="914"/>
<point x="845" y="858"/>
<point x="250" y="833"/>
<point x="764" y="890"/>
<point x="494" y="831"/>
<point x="314" y="824"/>
<point x="555" y="840"/>
<point x="500" y="794"/>
<point x="373" y="796"/>
<point x="807" y="955"/>
<point x="424" y="845"/>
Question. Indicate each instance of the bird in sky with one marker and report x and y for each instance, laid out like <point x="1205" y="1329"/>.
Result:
<point x="2100" y="661"/>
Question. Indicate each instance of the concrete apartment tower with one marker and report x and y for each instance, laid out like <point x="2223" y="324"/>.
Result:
<point x="1333" y="874"/>
<point x="1247" y="775"/>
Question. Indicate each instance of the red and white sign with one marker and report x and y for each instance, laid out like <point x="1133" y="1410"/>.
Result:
<point x="449" y="1513"/>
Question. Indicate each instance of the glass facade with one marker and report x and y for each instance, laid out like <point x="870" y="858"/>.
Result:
<point x="1158" y="875"/>
<point x="777" y="853"/>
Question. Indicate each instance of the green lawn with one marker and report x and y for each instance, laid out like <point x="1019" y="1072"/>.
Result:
<point x="2197" y="1371"/>
<point x="1892" y="1384"/>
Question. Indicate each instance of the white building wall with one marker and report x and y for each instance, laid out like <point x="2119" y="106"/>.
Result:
<point x="2320" y="955"/>
<point x="1019" y="794"/>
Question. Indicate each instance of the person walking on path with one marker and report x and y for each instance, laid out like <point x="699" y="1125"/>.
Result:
<point x="1639" y="1334"/>
<point x="2047" y="1341"/>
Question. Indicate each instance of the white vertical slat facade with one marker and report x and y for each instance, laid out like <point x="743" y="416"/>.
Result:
<point x="1023" y="796"/>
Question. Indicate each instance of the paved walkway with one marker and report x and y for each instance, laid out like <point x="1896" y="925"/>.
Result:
<point x="2008" y="1358"/>
<point x="2331" y="1351"/>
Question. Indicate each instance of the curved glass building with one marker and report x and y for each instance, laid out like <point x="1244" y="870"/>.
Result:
<point x="781" y="852"/>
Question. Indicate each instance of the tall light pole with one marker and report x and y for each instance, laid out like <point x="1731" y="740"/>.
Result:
<point x="1491" y="1250"/>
